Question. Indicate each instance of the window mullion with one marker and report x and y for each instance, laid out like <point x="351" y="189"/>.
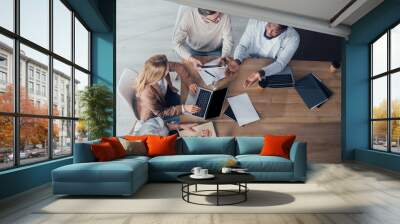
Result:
<point x="389" y="106"/>
<point x="50" y="81"/>
<point x="73" y="82"/>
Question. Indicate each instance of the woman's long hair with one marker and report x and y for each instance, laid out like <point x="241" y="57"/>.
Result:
<point x="153" y="71"/>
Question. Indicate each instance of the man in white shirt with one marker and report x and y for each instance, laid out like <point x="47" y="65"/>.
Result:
<point x="202" y="32"/>
<point x="266" y="40"/>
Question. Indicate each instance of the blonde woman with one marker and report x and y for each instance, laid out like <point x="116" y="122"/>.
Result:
<point x="154" y="85"/>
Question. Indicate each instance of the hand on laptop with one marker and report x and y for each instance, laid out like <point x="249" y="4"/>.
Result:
<point x="193" y="88"/>
<point x="191" y="108"/>
<point x="253" y="78"/>
<point x="195" y="62"/>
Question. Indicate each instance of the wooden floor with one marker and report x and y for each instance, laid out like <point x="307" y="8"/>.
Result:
<point x="378" y="189"/>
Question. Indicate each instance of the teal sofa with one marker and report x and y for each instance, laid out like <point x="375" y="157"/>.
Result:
<point x="125" y="176"/>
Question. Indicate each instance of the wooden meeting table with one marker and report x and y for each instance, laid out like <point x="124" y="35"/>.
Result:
<point x="281" y="110"/>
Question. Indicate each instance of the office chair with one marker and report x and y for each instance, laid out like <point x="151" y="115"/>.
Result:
<point x="127" y="92"/>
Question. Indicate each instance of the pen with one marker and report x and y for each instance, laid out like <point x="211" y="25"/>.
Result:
<point x="210" y="73"/>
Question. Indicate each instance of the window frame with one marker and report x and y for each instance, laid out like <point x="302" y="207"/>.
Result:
<point x="388" y="74"/>
<point x="16" y="114"/>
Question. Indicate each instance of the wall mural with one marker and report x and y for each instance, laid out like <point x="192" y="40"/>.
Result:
<point x="200" y="72"/>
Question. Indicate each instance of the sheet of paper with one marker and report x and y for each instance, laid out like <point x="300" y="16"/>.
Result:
<point x="213" y="62"/>
<point x="210" y="75"/>
<point x="243" y="109"/>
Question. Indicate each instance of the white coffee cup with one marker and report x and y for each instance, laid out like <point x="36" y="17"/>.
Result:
<point x="196" y="171"/>
<point x="226" y="170"/>
<point x="203" y="172"/>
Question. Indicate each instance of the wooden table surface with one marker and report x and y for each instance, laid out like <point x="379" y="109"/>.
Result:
<point x="282" y="111"/>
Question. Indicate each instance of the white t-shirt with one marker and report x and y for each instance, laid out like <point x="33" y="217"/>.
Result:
<point x="192" y="31"/>
<point x="281" y="48"/>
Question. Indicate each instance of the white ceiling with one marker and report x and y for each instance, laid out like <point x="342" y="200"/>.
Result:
<point x="314" y="15"/>
<point x="319" y="9"/>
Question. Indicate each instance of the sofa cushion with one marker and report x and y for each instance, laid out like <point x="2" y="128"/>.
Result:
<point x="277" y="145"/>
<point x="103" y="152"/>
<point x="134" y="147"/>
<point x="249" y="145"/>
<point x="116" y="145"/>
<point x="257" y="163"/>
<point x="112" y="171"/>
<point x="161" y="145"/>
<point x="185" y="163"/>
<point x="209" y="145"/>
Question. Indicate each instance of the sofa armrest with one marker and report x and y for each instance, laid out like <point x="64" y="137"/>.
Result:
<point x="298" y="155"/>
<point x="83" y="152"/>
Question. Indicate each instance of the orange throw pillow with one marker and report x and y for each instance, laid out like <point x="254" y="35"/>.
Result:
<point x="116" y="145"/>
<point x="277" y="145"/>
<point x="161" y="146"/>
<point x="103" y="151"/>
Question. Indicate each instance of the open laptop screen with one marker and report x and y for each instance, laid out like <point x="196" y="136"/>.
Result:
<point x="216" y="102"/>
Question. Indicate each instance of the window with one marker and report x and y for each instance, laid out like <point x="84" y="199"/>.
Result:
<point x="81" y="45"/>
<point x="62" y="137"/>
<point x="30" y="88"/>
<point x="37" y="75"/>
<point x="47" y="76"/>
<point x="6" y="73"/>
<point x="35" y="21"/>
<point x="44" y="91"/>
<point x="7" y="14"/>
<point x="3" y="78"/>
<point x="3" y="61"/>
<point x="3" y="72"/>
<point x="6" y="142"/>
<point x="30" y="72"/>
<point x="37" y="89"/>
<point x="81" y="81"/>
<point x="62" y="31"/>
<point x="61" y="75"/>
<point x="385" y="92"/>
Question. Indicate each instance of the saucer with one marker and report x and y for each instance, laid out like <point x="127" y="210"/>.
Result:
<point x="208" y="176"/>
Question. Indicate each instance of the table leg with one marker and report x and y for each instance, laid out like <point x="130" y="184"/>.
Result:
<point x="188" y="190"/>
<point x="245" y="193"/>
<point x="195" y="188"/>
<point x="217" y="194"/>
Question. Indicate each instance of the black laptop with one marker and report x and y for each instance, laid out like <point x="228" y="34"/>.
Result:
<point x="313" y="91"/>
<point x="280" y="80"/>
<point x="210" y="102"/>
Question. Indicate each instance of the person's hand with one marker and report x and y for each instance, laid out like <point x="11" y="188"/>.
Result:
<point x="193" y="88"/>
<point x="205" y="133"/>
<point x="195" y="62"/>
<point x="233" y="65"/>
<point x="188" y="126"/>
<point x="222" y="61"/>
<point x="253" y="78"/>
<point x="191" y="108"/>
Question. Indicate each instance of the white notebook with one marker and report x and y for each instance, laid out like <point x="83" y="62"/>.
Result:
<point x="243" y="109"/>
<point x="214" y="74"/>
